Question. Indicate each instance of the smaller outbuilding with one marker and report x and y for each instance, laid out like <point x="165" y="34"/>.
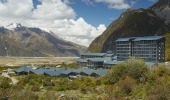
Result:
<point x="61" y="72"/>
<point x="95" y="60"/>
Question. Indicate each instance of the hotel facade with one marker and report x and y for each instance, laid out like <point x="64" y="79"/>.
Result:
<point x="149" y="48"/>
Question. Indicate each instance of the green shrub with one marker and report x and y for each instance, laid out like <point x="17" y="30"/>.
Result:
<point x="61" y="84"/>
<point x="162" y="70"/>
<point x="109" y="89"/>
<point x="135" y="68"/>
<point x="48" y="82"/>
<point x="60" y="88"/>
<point x="139" y="93"/>
<point x="157" y="73"/>
<point x="126" y="85"/>
<point x="24" y="95"/>
<point x="73" y="85"/>
<point x="87" y="85"/>
<point x="49" y="95"/>
<point x="5" y="82"/>
<point x="160" y="90"/>
<point x="35" y="88"/>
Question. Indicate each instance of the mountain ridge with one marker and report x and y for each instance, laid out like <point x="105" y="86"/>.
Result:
<point x="162" y="9"/>
<point x="30" y="41"/>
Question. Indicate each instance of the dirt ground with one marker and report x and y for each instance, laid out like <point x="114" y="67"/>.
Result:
<point x="18" y="61"/>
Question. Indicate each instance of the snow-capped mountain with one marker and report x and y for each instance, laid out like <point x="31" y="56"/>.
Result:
<point x="18" y="40"/>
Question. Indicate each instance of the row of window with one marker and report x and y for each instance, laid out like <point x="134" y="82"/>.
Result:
<point x="151" y="45"/>
<point x="145" y="56"/>
<point x="126" y="52"/>
<point x="123" y="46"/>
<point x="136" y="46"/>
<point x="138" y="42"/>
<point x="146" y="59"/>
<point x="122" y="56"/>
<point x="123" y="49"/>
<point x="151" y="49"/>
<point x="122" y="42"/>
<point x="144" y="52"/>
<point x="91" y="56"/>
<point x="145" y="41"/>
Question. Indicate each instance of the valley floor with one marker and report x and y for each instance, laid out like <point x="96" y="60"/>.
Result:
<point x="18" y="61"/>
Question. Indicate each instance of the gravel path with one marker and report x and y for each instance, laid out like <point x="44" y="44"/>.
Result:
<point x="14" y="80"/>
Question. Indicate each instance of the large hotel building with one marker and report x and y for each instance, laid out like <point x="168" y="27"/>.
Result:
<point x="149" y="48"/>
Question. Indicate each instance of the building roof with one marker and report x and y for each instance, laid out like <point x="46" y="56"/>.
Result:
<point x="87" y="71"/>
<point x="124" y="39"/>
<point x="109" y="55"/>
<point x="109" y="52"/>
<point x="52" y="73"/>
<point x="115" y="57"/>
<point x="82" y="60"/>
<point x="24" y="69"/>
<point x="96" y="59"/>
<point x="41" y="71"/>
<point x="140" y="38"/>
<point x="148" y="38"/>
<point x="55" y="72"/>
<point x="68" y="71"/>
<point x="112" y="62"/>
<point x="101" y="72"/>
<point x="93" y="54"/>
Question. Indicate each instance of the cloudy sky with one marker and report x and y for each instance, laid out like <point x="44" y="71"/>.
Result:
<point x="79" y="21"/>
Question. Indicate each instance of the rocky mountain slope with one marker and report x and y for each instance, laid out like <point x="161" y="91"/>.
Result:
<point x="134" y="22"/>
<point x="162" y="9"/>
<point x="18" y="40"/>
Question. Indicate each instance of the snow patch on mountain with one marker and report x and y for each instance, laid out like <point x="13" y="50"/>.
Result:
<point x="45" y="29"/>
<point x="12" y="26"/>
<point x="1" y="25"/>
